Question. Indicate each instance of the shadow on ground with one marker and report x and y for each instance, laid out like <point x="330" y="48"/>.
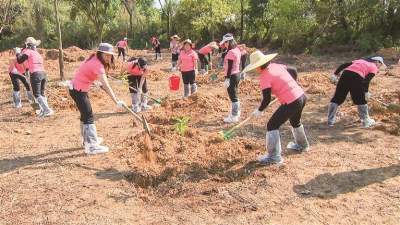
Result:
<point x="329" y="185"/>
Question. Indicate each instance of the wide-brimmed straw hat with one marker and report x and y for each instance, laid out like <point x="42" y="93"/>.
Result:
<point x="258" y="59"/>
<point x="106" y="48"/>
<point x="32" y="41"/>
<point x="213" y="45"/>
<point x="176" y="37"/>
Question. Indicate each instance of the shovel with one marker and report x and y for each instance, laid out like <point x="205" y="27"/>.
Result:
<point x="226" y="135"/>
<point x="158" y="101"/>
<point x="391" y="106"/>
<point x="141" y="119"/>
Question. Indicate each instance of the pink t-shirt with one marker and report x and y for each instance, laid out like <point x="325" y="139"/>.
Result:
<point x="363" y="67"/>
<point x="87" y="73"/>
<point x="205" y="50"/>
<point x="122" y="44"/>
<point x="134" y="71"/>
<point x="188" y="60"/>
<point x="282" y="85"/>
<point x="34" y="63"/>
<point x="16" y="68"/>
<point x="174" y="46"/>
<point x="234" y="55"/>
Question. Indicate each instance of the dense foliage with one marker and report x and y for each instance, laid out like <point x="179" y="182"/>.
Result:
<point x="292" y="25"/>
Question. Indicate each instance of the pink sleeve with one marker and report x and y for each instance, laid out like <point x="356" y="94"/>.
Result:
<point x="100" y="71"/>
<point x="195" y="56"/>
<point x="265" y="83"/>
<point x="374" y="69"/>
<point x="230" y="55"/>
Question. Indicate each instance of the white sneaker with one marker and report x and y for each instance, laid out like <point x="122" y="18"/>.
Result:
<point x="231" y="119"/>
<point x="92" y="149"/>
<point x="266" y="160"/>
<point x="137" y="108"/>
<point x="146" y="107"/>
<point x="46" y="114"/>
<point x="368" y="123"/>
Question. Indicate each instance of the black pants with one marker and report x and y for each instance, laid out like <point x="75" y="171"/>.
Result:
<point x="291" y="112"/>
<point x="243" y="60"/>
<point x="204" y="60"/>
<point x="121" y="51"/>
<point x="353" y="83"/>
<point x="134" y="82"/>
<point x="189" y="77"/>
<point x="233" y="87"/>
<point x="82" y="101"/>
<point x="38" y="83"/>
<point x="157" y="49"/>
<point x="15" y="78"/>
<point x="175" y="57"/>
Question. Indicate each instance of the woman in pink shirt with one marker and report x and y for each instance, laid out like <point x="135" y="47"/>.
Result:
<point x="156" y="46"/>
<point x="187" y="63"/>
<point x="174" y="47"/>
<point x="232" y="77"/>
<point x="137" y="70"/>
<point x="355" y="79"/>
<point x="92" y="69"/>
<point x="17" y="73"/>
<point x="33" y="61"/>
<point x="275" y="79"/>
<point x="205" y="56"/>
<point x="122" y="45"/>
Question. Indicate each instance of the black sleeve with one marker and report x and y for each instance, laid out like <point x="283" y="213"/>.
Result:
<point x="293" y="72"/>
<point x="21" y="58"/>
<point x="342" y="67"/>
<point x="367" y="80"/>
<point x="266" y="99"/>
<point x="230" y="65"/>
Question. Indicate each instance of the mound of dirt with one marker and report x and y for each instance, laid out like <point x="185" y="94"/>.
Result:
<point x="390" y="54"/>
<point x="315" y="83"/>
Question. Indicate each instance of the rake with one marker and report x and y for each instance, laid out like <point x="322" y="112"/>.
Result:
<point x="226" y="135"/>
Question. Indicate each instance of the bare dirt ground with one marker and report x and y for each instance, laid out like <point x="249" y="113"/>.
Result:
<point x="350" y="175"/>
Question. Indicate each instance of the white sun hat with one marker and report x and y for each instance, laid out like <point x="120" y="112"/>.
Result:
<point x="379" y="59"/>
<point x="258" y="59"/>
<point x="32" y="41"/>
<point x="226" y="37"/>
<point x="106" y="48"/>
<point x="213" y="45"/>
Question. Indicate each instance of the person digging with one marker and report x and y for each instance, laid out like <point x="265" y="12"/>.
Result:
<point x="137" y="70"/>
<point x="355" y="78"/>
<point x="16" y="72"/>
<point x="93" y="68"/>
<point x="275" y="79"/>
<point x="205" y="56"/>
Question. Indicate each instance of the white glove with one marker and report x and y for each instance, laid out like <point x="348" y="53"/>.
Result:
<point x="227" y="82"/>
<point x="367" y="95"/>
<point x="256" y="113"/>
<point x="17" y="50"/>
<point x="334" y="79"/>
<point x="121" y="104"/>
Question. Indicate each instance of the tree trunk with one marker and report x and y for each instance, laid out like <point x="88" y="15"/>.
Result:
<point x="241" y="20"/>
<point x="60" y="48"/>
<point x="3" y="24"/>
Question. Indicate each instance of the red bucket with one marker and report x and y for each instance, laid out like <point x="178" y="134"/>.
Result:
<point x="174" y="82"/>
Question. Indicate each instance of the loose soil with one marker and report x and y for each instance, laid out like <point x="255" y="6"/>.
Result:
<point x="350" y="175"/>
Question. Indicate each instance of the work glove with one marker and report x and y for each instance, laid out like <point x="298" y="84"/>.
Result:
<point x="243" y="75"/>
<point x="17" y="50"/>
<point x="121" y="104"/>
<point x="334" y="79"/>
<point x="227" y="82"/>
<point x="367" y="96"/>
<point x="256" y="113"/>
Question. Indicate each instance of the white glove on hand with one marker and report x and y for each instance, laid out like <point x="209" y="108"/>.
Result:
<point x="243" y="75"/>
<point x="17" y="50"/>
<point x="121" y="104"/>
<point x="334" y="79"/>
<point x="256" y="113"/>
<point x="367" y="95"/>
<point x="227" y="82"/>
